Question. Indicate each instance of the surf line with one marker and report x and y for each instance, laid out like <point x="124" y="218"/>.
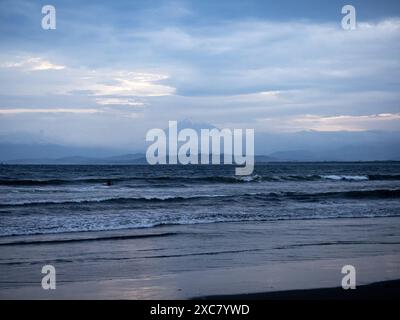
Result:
<point x="186" y="147"/>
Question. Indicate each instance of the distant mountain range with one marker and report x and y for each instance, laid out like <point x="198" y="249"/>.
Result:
<point x="295" y="146"/>
<point x="126" y="159"/>
<point x="140" y="158"/>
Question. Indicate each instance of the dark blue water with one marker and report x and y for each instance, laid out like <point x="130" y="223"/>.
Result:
<point x="55" y="199"/>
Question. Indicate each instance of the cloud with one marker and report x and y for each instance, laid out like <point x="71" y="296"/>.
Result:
<point x="388" y="121"/>
<point x="270" y="93"/>
<point x="119" y="101"/>
<point x="33" y="64"/>
<point x="168" y="64"/>
<point x="124" y="83"/>
<point x="97" y="83"/>
<point x="48" y="110"/>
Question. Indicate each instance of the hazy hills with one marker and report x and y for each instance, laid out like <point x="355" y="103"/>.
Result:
<point x="296" y="146"/>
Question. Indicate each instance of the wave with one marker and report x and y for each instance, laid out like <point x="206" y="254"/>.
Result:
<point x="101" y="238"/>
<point x="269" y="196"/>
<point x="45" y="182"/>
<point x="116" y="200"/>
<point x="335" y="177"/>
<point x="190" y="179"/>
<point x="111" y="181"/>
<point x="345" y="178"/>
<point x="190" y="221"/>
<point x="336" y="243"/>
<point x="98" y="259"/>
<point x="356" y="194"/>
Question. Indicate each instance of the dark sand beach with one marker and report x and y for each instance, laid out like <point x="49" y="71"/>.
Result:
<point x="220" y="259"/>
<point x="386" y="290"/>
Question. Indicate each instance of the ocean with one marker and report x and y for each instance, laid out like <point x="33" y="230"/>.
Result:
<point x="50" y="199"/>
<point x="176" y="232"/>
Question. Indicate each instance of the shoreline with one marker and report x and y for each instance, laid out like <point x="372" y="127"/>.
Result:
<point x="187" y="261"/>
<point x="125" y="290"/>
<point x="383" y="290"/>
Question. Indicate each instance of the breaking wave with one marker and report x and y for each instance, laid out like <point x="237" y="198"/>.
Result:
<point x="207" y="179"/>
<point x="269" y="196"/>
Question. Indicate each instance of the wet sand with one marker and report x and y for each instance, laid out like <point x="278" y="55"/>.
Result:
<point x="219" y="259"/>
<point x="385" y="290"/>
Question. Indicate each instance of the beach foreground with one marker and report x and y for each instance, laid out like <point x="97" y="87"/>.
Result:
<point x="385" y="290"/>
<point x="183" y="262"/>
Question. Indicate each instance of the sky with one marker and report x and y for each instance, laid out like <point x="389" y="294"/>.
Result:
<point x="114" y="69"/>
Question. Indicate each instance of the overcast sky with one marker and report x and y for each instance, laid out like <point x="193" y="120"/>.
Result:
<point x="110" y="71"/>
